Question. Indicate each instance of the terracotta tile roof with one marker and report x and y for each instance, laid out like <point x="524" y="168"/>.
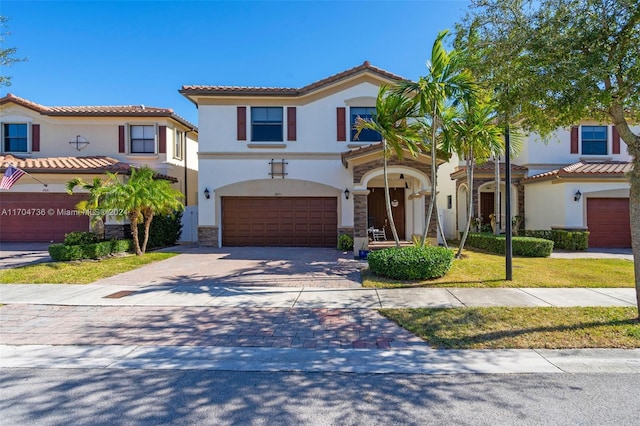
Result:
<point x="70" y="165"/>
<point x="588" y="169"/>
<point x="373" y="148"/>
<point x="102" y="111"/>
<point x="287" y="91"/>
<point x="489" y="168"/>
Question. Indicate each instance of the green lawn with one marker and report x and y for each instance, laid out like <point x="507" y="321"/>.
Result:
<point x="78" y="272"/>
<point x="488" y="270"/>
<point x="522" y="328"/>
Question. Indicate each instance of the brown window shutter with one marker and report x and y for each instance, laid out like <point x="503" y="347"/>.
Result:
<point x="615" y="144"/>
<point x="162" y="139"/>
<point x="242" y="123"/>
<point x="121" y="139"/>
<point x="291" y="123"/>
<point x="342" y="123"/>
<point x="574" y="139"/>
<point x="35" y="137"/>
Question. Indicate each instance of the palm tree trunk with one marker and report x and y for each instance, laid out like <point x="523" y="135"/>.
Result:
<point x="387" y="197"/>
<point x="434" y="171"/>
<point x="147" y="225"/>
<point x="134" y="233"/>
<point x="469" y="204"/>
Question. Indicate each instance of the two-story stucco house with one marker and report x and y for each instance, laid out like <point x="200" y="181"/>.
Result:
<point x="575" y="181"/>
<point x="55" y="144"/>
<point x="282" y="166"/>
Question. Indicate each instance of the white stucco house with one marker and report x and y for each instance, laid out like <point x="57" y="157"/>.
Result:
<point x="281" y="166"/>
<point x="55" y="144"/>
<point x="574" y="181"/>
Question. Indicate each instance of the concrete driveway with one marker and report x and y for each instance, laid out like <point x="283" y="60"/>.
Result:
<point x="13" y="255"/>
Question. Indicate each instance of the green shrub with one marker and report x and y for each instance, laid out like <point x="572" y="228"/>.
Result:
<point x="566" y="240"/>
<point x="520" y="246"/>
<point x="63" y="252"/>
<point x="165" y="230"/>
<point x="78" y="237"/>
<point x="411" y="263"/>
<point x="345" y="242"/>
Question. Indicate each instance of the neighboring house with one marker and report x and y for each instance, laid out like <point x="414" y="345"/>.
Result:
<point x="282" y="166"/>
<point x="55" y="144"/>
<point x="576" y="181"/>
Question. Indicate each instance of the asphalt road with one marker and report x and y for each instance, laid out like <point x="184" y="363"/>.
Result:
<point x="142" y="397"/>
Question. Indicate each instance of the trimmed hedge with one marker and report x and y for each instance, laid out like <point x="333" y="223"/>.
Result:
<point x="164" y="231"/>
<point x="520" y="246"/>
<point x="411" y="263"/>
<point x="63" y="252"/>
<point x="80" y="237"/>
<point x="566" y="240"/>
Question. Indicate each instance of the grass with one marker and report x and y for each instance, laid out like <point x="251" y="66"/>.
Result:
<point x="78" y="272"/>
<point x="522" y="328"/>
<point x="478" y="269"/>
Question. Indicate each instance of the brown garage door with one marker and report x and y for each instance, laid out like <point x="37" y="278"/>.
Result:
<point x="279" y="221"/>
<point x="39" y="217"/>
<point x="608" y="222"/>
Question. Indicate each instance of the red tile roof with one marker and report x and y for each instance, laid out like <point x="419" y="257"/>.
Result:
<point x="287" y="91"/>
<point x="586" y="169"/>
<point x="488" y="167"/>
<point x="70" y="165"/>
<point x="103" y="111"/>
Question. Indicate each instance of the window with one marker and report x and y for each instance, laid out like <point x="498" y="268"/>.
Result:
<point x="177" y="149"/>
<point x="594" y="140"/>
<point x="366" y="113"/>
<point x="15" y="137"/>
<point x="266" y="124"/>
<point x="143" y="139"/>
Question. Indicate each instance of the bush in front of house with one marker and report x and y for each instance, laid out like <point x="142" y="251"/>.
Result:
<point x="566" y="240"/>
<point x="79" y="237"/>
<point x="411" y="263"/>
<point x="165" y="230"/>
<point x="64" y="252"/>
<point x="520" y="246"/>
<point x="345" y="242"/>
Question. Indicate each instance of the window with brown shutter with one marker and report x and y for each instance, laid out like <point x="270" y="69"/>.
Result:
<point x="615" y="143"/>
<point x="291" y="123"/>
<point x="242" y="123"/>
<point x="35" y="137"/>
<point x="341" y="113"/>
<point x="121" y="139"/>
<point x="162" y="139"/>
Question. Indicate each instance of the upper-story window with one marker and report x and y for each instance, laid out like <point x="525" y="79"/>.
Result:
<point x="266" y="124"/>
<point x="366" y="135"/>
<point x="178" y="143"/>
<point x="15" y="137"/>
<point x="594" y="140"/>
<point x="143" y="139"/>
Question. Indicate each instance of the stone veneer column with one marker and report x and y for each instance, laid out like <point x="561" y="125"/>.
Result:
<point x="208" y="236"/>
<point x="433" y="233"/>
<point x="360" y="235"/>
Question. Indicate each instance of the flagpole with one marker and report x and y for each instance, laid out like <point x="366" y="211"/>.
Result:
<point x="35" y="178"/>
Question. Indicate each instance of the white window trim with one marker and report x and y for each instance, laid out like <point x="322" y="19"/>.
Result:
<point x="608" y="144"/>
<point x="178" y="144"/>
<point x="10" y="120"/>
<point x="283" y="126"/>
<point x="128" y="140"/>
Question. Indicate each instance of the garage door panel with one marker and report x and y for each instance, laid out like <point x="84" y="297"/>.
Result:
<point x="280" y="221"/>
<point x="608" y="222"/>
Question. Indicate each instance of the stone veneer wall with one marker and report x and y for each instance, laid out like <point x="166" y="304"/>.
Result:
<point x="345" y="230"/>
<point x="118" y="232"/>
<point x="208" y="236"/>
<point x="360" y="216"/>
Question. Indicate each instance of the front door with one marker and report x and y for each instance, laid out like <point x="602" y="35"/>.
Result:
<point x="487" y="206"/>
<point x="377" y="211"/>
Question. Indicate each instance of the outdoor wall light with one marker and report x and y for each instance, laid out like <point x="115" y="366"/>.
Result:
<point x="207" y="194"/>
<point x="577" y="196"/>
<point x="346" y="193"/>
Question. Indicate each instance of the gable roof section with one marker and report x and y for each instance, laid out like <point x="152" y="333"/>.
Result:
<point x="586" y="169"/>
<point x="488" y="169"/>
<point x="71" y="165"/>
<point x="374" y="151"/>
<point x="366" y="67"/>
<point x="98" y="111"/>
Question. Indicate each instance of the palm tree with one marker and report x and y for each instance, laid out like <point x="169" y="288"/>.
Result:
<point x="447" y="81"/>
<point x="139" y="199"/>
<point x="91" y="204"/>
<point x="474" y="136"/>
<point x="391" y="121"/>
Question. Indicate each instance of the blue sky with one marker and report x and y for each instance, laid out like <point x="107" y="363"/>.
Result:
<point x="142" y="52"/>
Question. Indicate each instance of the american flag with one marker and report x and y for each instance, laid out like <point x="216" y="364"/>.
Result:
<point x="11" y="176"/>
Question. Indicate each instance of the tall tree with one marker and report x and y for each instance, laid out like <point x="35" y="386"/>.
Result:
<point x="474" y="135"/>
<point x="92" y="203"/>
<point x="563" y="61"/>
<point x="447" y="81"/>
<point x="392" y="121"/>
<point x="7" y="55"/>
